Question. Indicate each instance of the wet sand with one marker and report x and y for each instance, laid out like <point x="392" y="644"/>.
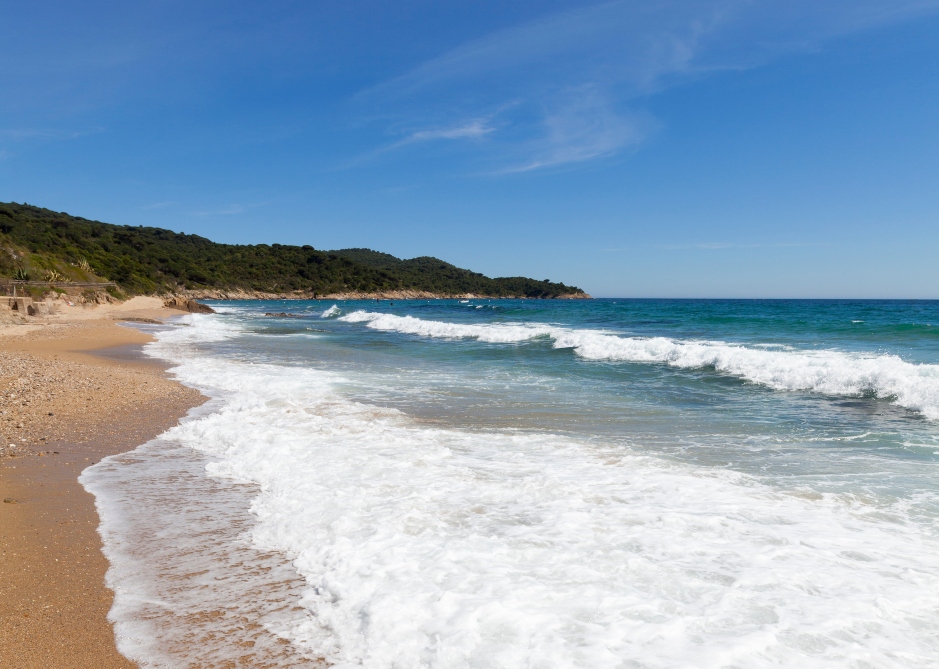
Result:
<point x="62" y="408"/>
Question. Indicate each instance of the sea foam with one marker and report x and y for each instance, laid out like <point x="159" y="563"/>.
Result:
<point x="830" y="372"/>
<point x="442" y="548"/>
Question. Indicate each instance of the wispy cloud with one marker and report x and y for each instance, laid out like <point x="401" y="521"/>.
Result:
<point x="715" y="246"/>
<point x="229" y="210"/>
<point x="159" y="205"/>
<point x="712" y="246"/>
<point x="584" y="127"/>
<point x="17" y="134"/>
<point x="701" y="246"/>
<point x="616" y="54"/>
<point x="618" y="40"/>
<point x="27" y="134"/>
<point x="472" y="130"/>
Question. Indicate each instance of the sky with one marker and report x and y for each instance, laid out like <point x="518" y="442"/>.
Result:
<point x="678" y="148"/>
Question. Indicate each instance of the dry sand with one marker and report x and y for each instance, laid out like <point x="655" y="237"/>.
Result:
<point x="62" y="408"/>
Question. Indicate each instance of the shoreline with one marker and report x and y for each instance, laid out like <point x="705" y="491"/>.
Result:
<point x="65" y="407"/>
<point x="240" y="294"/>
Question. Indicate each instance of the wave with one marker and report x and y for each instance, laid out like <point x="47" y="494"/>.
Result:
<point x="332" y="311"/>
<point x="500" y="334"/>
<point x="441" y="548"/>
<point x="829" y="372"/>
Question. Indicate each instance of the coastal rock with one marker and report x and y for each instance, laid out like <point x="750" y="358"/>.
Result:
<point x="91" y="297"/>
<point x="187" y="304"/>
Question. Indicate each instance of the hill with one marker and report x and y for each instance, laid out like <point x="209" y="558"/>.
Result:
<point x="40" y="244"/>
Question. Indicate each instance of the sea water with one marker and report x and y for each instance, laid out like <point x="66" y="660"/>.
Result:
<point x="606" y="483"/>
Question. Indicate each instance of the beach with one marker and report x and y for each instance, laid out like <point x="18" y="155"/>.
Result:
<point x="530" y="335"/>
<point x="73" y="389"/>
<point x="446" y="483"/>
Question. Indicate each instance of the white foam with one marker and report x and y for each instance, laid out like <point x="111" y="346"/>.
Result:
<point x="200" y="329"/>
<point x="426" y="547"/>
<point x="184" y="572"/>
<point x="503" y="333"/>
<point x="913" y="386"/>
<point x="332" y="311"/>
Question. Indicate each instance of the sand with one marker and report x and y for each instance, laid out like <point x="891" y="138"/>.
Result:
<point x="73" y="389"/>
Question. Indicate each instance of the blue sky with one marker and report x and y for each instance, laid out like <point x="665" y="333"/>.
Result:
<point x="678" y="148"/>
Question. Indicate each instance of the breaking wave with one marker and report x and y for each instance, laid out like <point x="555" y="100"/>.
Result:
<point x="829" y="372"/>
<point x="440" y="548"/>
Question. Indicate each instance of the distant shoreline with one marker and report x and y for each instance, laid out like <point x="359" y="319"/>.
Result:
<point x="240" y="294"/>
<point x="54" y="246"/>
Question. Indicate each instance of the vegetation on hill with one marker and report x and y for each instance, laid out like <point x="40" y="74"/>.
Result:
<point x="39" y="244"/>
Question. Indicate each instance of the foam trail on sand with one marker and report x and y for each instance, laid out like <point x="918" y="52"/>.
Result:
<point x="183" y="569"/>
<point x="913" y="386"/>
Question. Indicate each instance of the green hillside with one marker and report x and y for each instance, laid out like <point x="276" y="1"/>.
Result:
<point x="38" y="241"/>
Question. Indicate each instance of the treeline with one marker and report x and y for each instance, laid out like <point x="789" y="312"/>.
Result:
<point x="38" y="241"/>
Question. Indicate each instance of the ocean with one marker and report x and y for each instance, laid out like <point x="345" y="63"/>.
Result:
<point x="523" y="483"/>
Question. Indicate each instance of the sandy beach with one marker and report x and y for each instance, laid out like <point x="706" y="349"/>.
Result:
<point x="73" y="390"/>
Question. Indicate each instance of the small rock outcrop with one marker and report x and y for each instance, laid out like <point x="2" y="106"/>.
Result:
<point x="187" y="304"/>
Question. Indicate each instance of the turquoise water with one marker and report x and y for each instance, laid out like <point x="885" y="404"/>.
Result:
<point x="606" y="483"/>
<point x="855" y="436"/>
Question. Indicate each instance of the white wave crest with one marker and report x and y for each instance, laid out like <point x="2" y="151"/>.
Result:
<point x="501" y="334"/>
<point x="913" y="386"/>
<point x="332" y="311"/>
<point x="199" y="328"/>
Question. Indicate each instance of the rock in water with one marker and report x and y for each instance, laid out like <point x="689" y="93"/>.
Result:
<point x="186" y="304"/>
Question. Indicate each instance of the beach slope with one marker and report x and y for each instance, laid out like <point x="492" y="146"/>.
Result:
<point x="73" y="389"/>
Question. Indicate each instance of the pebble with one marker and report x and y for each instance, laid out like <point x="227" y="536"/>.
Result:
<point x="45" y="400"/>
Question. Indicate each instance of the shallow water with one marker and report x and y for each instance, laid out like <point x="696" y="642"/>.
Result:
<point x="612" y="483"/>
